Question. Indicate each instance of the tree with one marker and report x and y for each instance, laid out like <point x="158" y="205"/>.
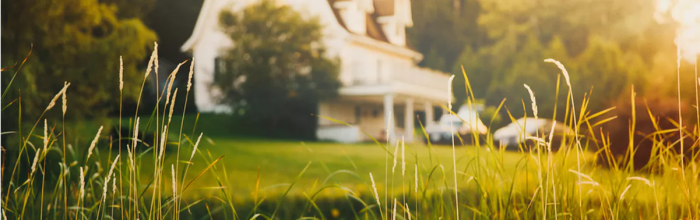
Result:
<point x="442" y="28"/>
<point x="606" y="47"/>
<point x="277" y="71"/>
<point x="76" y="41"/>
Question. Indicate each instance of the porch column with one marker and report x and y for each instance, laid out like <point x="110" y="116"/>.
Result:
<point x="389" y="120"/>
<point x="429" y="116"/>
<point x="409" y="116"/>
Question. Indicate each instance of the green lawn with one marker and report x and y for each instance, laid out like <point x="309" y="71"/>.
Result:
<point x="504" y="181"/>
<point x="279" y="162"/>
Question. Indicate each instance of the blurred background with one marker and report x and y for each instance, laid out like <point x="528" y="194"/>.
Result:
<point x="278" y="83"/>
<point x="608" y="46"/>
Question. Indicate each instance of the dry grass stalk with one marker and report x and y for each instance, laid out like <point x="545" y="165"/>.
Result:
<point x="396" y="155"/>
<point x="393" y="217"/>
<point x="532" y="97"/>
<point x="121" y="74"/>
<point x="154" y="56"/>
<point x="172" y="106"/>
<point x="189" y="79"/>
<point x="172" y="169"/>
<point x="646" y="181"/>
<point x="58" y="95"/>
<point x="408" y="211"/>
<point x="65" y="100"/>
<point x="109" y="176"/>
<point x="622" y="196"/>
<point x="36" y="161"/>
<point x="82" y="185"/>
<point x="403" y="159"/>
<point x="374" y="186"/>
<point x="94" y="143"/>
<point x="162" y="143"/>
<point x="194" y="150"/>
<point x="136" y="133"/>
<point x="46" y="134"/>
<point x="452" y="131"/>
<point x="172" y="79"/>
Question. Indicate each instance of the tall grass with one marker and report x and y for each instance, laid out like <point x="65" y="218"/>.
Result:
<point x="569" y="183"/>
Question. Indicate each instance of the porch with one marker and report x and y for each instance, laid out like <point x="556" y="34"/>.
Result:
<point x="375" y="115"/>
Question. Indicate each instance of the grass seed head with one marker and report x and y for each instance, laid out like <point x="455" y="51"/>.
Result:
<point x="194" y="150"/>
<point x="172" y="169"/>
<point x="65" y="100"/>
<point x="82" y="184"/>
<point x="94" y="143"/>
<point x="374" y="186"/>
<point x="36" y="161"/>
<point x="172" y="106"/>
<point x="154" y="57"/>
<point x="46" y="134"/>
<point x="121" y="73"/>
<point x="55" y="98"/>
<point x="562" y="68"/>
<point x="189" y="79"/>
<point x="532" y="97"/>
<point x="449" y="92"/>
<point x="109" y="177"/>
<point x="172" y="77"/>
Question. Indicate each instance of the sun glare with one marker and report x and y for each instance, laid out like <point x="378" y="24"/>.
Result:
<point x="685" y="13"/>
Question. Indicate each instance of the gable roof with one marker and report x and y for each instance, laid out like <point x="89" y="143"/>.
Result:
<point x="384" y="7"/>
<point x="374" y="29"/>
<point x="204" y="15"/>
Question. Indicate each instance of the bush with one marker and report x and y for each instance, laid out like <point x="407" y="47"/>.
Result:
<point x="655" y="132"/>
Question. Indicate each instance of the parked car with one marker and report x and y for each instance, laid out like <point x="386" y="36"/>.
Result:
<point x="519" y="131"/>
<point x="465" y="123"/>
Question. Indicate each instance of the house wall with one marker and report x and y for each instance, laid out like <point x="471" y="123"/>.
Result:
<point x="362" y="64"/>
<point x="206" y="96"/>
<point x="341" y="111"/>
<point x="371" y="119"/>
<point x="211" y="43"/>
<point x="369" y="68"/>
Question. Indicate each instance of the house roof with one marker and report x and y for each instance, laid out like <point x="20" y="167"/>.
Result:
<point x="384" y="7"/>
<point x="199" y="26"/>
<point x="374" y="30"/>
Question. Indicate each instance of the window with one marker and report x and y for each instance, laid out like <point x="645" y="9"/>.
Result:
<point x="399" y="118"/>
<point x="219" y="67"/>
<point x="437" y="113"/>
<point x="358" y="114"/>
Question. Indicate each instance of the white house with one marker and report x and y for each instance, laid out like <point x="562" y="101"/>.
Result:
<point x="382" y="86"/>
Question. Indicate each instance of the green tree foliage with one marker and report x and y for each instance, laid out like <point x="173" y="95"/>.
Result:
<point x="607" y="46"/>
<point x="76" y="41"/>
<point x="442" y="28"/>
<point x="277" y="72"/>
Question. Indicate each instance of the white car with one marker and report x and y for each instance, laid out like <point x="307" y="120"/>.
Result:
<point x="522" y="129"/>
<point x="464" y="124"/>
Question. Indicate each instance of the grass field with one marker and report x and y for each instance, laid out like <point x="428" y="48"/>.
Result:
<point x="235" y="177"/>
<point x="276" y="164"/>
<point x="280" y="161"/>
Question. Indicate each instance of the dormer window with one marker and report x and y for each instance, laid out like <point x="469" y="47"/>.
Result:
<point x="354" y="13"/>
<point x="394" y="16"/>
